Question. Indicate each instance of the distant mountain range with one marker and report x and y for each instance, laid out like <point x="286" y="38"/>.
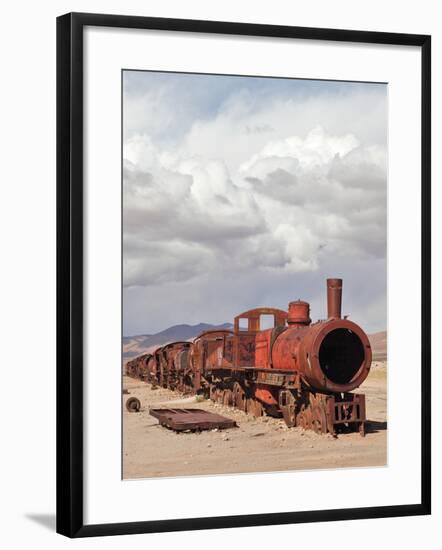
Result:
<point x="146" y="343"/>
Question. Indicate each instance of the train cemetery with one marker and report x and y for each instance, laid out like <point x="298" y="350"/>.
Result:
<point x="263" y="444"/>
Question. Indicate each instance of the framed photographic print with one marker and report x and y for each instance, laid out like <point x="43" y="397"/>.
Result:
<point x="243" y="274"/>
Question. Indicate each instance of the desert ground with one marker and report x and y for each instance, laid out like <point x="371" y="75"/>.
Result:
<point x="256" y="445"/>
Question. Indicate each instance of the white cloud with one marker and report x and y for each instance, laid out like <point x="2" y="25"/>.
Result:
<point x="288" y="205"/>
<point x="246" y="125"/>
<point x="316" y="150"/>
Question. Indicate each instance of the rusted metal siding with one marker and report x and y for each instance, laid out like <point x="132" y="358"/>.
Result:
<point x="263" y="343"/>
<point x="299" y="313"/>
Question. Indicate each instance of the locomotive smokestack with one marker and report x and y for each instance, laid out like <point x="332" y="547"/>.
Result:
<point x="334" y="298"/>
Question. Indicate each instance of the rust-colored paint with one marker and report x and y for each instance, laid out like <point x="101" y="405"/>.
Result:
<point x="299" y="313"/>
<point x="262" y="348"/>
<point x="266" y="395"/>
<point x="334" y="298"/>
<point x="253" y="318"/>
<point x="209" y="347"/>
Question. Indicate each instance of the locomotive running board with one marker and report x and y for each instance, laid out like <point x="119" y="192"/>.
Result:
<point x="191" y="419"/>
<point x="270" y="377"/>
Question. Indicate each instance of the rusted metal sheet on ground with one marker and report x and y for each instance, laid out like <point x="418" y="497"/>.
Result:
<point x="191" y="419"/>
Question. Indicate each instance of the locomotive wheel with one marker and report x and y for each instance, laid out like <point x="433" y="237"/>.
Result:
<point x="309" y="417"/>
<point x="306" y="418"/>
<point x="301" y="420"/>
<point x="316" y="420"/>
<point x="228" y="398"/>
<point x="212" y="392"/>
<point x="133" y="404"/>
<point x="218" y="396"/>
<point x="239" y="397"/>
<point x="249" y="405"/>
<point x="319" y="421"/>
<point x="317" y="428"/>
<point x="254" y="407"/>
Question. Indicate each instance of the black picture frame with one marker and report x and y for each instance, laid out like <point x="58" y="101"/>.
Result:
<point x="70" y="273"/>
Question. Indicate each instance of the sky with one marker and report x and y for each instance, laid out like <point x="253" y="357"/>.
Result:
<point x="241" y="192"/>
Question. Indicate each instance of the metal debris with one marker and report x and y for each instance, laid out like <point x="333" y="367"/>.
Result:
<point x="191" y="419"/>
<point x="133" y="404"/>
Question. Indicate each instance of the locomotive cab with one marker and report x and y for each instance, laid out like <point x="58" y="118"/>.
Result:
<point x="251" y="344"/>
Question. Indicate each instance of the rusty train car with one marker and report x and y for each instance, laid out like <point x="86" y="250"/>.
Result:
<point x="303" y="371"/>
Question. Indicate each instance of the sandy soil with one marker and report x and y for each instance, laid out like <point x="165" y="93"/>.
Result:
<point x="256" y="445"/>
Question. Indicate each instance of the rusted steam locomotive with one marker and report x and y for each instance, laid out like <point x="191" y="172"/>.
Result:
<point x="299" y="370"/>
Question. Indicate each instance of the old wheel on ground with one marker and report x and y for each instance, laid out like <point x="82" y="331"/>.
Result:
<point x="133" y="404"/>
